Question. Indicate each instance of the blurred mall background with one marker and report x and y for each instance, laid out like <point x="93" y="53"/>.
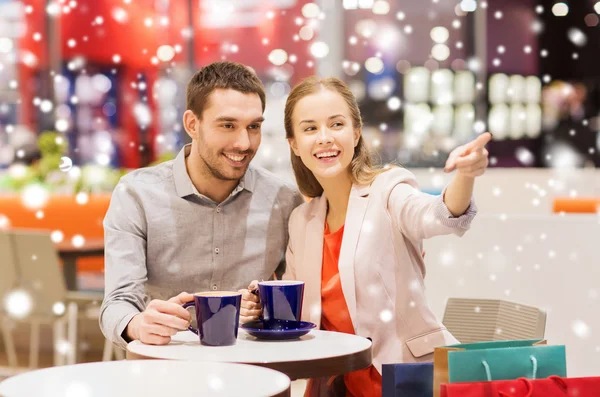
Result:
<point x="90" y="89"/>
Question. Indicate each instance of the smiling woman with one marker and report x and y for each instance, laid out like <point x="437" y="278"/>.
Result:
<point x="324" y="111"/>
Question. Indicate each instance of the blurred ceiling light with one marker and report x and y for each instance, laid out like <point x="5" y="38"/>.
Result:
<point x="597" y="7"/>
<point x="439" y="34"/>
<point x="560" y="9"/>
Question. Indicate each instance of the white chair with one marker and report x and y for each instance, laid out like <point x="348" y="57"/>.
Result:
<point x="7" y="281"/>
<point x="481" y="320"/>
<point x="38" y="272"/>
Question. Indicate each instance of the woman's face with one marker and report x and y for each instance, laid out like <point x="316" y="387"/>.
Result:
<point x="324" y="137"/>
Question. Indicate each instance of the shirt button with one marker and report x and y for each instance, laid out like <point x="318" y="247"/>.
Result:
<point x="216" y="250"/>
<point x="214" y="287"/>
<point x="218" y="209"/>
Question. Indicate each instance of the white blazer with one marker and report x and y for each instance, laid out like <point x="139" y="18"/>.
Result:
<point x="381" y="265"/>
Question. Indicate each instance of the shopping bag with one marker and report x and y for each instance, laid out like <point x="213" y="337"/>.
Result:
<point x="497" y="360"/>
<point x="553" y="386"/>
<point x="407" y="380"/>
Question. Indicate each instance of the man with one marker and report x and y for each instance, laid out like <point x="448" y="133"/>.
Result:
<point x="207" y="220"/>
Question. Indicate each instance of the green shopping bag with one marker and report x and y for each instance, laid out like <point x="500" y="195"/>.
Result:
<point x="497" y="360"/>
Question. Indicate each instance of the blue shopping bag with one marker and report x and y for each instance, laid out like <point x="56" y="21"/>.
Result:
<point x="407" y="380"/>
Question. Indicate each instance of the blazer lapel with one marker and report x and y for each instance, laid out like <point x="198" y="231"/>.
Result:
<point x="313" y="261"/>
<point x="357" y="207"/>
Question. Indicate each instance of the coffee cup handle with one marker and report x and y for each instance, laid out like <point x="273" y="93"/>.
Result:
<point x="185" y="306"/>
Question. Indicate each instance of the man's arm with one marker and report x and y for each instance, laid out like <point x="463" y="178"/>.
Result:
<point x="124" y="263"/>
<point x="125" y="314"/>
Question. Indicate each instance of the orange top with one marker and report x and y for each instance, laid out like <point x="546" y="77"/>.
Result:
<point x="335" y="315"/>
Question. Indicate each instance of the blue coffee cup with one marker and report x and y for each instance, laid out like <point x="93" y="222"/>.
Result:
<point x="281" y="300"/>
<point x="217" y="316"/>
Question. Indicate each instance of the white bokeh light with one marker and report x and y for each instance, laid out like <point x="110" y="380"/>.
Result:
<point x="46" y="106"/>
<point x="381" y="7"/>
<point x="18" y="303"/>
<point x="319" y="49"/>
<point x="560" y="9"/>
<point x="78" y="389"/>
<point x="278" y="57"/>
<point x="581" y="329"/>
<point x="165" y="53"/>
<point x="440" y="52"/>
<point x="439" y="34"/>
<point x="82" y="198"/>
<point x="577" y="37"/>
<point x="61" y="125"/>
<point x="58" y="308"/>
<point x="34" y="196"/>
<point x="4" y="222"/>
<point x="311" y="10"/>
<point x="306" y="33"/>
<point x="78" y="241"/>
<point x="57" y="236"/>
<point x="374" y="65"/>
<point x="215" y="382"/>
<point x="394" y="103"/>
<point x="386" y="316"/>
<point x="366" y="28"/>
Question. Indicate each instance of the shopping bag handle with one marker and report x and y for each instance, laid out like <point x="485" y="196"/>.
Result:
<point x="488" y="373"/>
<point x="560" y="382"/>
<point x="527" y="384"/>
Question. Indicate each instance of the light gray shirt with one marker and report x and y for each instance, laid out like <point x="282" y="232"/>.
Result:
<point x="162" y="237"/>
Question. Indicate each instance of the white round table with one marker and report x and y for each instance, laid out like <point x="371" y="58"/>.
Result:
<point x="316" y="354"/>
<point x="148" y="378"/>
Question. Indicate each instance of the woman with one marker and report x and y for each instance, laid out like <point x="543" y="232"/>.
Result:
<point x="357" y="244"/>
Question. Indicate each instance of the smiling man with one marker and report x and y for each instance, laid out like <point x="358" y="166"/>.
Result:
<point x="207" y="220"/>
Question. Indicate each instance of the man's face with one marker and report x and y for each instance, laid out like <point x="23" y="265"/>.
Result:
<point x="229" y="132"/>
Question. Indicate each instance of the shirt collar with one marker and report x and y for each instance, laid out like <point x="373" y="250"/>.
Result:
<point x="184" y="185"/>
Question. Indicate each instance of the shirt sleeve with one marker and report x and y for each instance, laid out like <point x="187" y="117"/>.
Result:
<point x="124" y="262"/>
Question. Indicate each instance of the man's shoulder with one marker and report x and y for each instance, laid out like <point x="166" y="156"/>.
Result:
<point x="269" y="181"/>
<point x="149" y="176"/>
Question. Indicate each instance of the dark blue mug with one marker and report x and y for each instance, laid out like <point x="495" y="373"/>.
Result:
<point x="281" y="300"/>
<point x="218" y="317"/>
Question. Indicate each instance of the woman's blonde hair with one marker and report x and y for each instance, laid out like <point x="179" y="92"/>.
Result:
<point x="363" y="172"/>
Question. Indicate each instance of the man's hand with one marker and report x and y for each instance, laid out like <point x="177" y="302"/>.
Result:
<point x="160" y="320"/>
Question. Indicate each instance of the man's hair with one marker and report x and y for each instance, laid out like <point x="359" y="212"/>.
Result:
<point x="221" y="75"/>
